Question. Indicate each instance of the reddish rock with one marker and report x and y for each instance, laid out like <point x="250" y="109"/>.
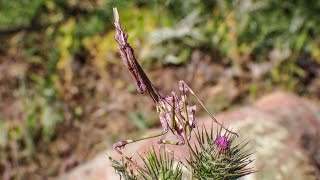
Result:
<point x="284" y="132"/>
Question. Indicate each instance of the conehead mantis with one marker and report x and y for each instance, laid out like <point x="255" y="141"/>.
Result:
<point x="175" y="114"/>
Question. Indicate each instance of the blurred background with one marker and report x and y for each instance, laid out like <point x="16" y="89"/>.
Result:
<point x="64" y="94"/>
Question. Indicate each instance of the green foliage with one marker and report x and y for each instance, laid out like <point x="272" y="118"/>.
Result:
<point x="18" y="13"/>
<point x="242" y="30"/>
<point x="167" y="35"/>
<point x="42" y="115"/>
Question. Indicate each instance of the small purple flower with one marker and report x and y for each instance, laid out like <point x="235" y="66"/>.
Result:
<point x="222" y="143"/>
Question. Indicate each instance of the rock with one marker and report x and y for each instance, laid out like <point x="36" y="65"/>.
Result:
<point x="283" y="130"/>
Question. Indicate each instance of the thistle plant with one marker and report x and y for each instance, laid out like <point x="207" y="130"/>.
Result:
<point x="156" y="165"/>
<point x="214" y="158"/>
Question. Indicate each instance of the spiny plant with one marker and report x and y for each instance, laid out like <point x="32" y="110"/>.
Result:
<point x="157" y="165"/>
<point x="214" y="159"/>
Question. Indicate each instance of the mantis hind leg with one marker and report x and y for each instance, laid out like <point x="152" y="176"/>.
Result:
<point x="204" y="107"/>
<point x="163" y="141"/>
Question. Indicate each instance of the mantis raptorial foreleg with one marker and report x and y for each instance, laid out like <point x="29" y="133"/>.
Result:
<point x="117" y="146"/>
<point x="121" y="144"/>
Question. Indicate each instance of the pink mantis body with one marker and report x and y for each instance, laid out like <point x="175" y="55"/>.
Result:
<point x="175" y="114"/>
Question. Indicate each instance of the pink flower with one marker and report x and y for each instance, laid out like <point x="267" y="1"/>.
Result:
<point x="222" y="143"/>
